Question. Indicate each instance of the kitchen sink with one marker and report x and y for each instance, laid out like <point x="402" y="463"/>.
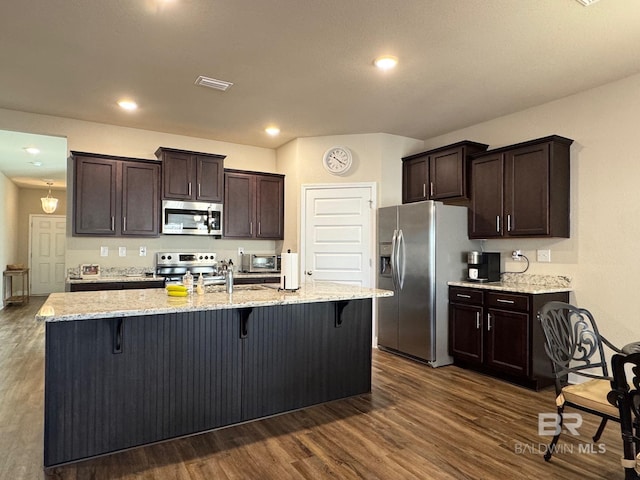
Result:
<point x="236" y="288"/>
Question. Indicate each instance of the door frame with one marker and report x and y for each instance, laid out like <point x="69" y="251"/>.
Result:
<point x="31" y="217"/>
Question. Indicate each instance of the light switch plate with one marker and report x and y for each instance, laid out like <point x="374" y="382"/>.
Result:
<point x="143" y="251"/>
<point x="240" y="250"/>
<point x="544" y="255"/>
<point x="122" y="251"/>
<point x="104" y="251"/>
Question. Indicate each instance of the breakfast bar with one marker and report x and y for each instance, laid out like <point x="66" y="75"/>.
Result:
<point x="125" y="368"/>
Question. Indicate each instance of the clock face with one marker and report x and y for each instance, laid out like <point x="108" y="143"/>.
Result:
<point x="337" y="160"/>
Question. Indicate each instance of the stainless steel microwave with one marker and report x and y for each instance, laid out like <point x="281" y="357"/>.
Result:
<point x="257" y="263"/>
<point x="191" y="218"/>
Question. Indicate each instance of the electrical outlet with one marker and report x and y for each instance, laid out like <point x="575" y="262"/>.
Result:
<point x="104" y="251"/>
<point x="143" y="251"/>
<point x="240" y="250"/>
<point x="516" y="255"/>
<point x="122" y="251"/>
<point x="544" y="255"/>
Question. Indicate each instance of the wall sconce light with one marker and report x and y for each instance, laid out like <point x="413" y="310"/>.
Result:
<point x="49" y="204"/>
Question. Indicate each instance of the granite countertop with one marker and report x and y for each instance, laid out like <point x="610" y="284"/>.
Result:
<point x="126" y="303"/>
<point x="114" y="278"/>
<point x="520" y="283"/>
<point x="139" y="277"/>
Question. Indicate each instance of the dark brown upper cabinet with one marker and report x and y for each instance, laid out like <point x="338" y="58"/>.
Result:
<point x="521" y="190"/>
<point x="253" y="205"/>
<point x="191" y="176"/>
<point x="115" y="196"/>
<point x="439" y="174"/>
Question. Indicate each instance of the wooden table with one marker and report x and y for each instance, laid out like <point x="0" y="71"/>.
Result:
<point x="8" y="286"/>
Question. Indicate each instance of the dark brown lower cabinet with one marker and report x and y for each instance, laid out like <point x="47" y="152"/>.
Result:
<point x="93" y="286"/>
<point x="117" y="383"/>
<point x="498" y="333"/>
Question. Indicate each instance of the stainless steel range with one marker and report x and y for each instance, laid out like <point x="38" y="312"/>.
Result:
<point x="172" y="266"/>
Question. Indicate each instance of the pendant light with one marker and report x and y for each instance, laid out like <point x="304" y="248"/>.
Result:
<point x="49" y="204"/>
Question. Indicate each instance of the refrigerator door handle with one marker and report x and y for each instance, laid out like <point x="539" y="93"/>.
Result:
<point x="403" y="263"/>
<point x="394" y="246"/>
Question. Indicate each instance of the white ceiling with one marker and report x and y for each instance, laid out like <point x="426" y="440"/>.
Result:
<point x="306" y="65"/>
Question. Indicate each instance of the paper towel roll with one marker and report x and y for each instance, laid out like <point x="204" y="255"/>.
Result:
<point x="289" y="271"/>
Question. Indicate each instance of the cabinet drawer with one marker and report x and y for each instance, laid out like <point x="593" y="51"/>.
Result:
<point x="509" y="301"/>
<point x="465" y="295"/>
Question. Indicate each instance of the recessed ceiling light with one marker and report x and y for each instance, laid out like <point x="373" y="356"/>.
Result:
<point x="36" y="164"/>
<point x="273" y="131"/>
<point x="32" y="150"/>
<point x="128" y="105"/>
<point x="386" y="62"/>
<point x="586" y="3"/>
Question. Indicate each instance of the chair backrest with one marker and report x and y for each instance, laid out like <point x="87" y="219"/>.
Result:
<point x="626" y="395"/>
<point x="573" y="342"/>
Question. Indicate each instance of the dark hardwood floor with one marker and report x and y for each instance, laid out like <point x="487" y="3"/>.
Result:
<point x="418" y="423"/>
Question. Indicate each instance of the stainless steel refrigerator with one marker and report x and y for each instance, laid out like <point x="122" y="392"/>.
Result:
<point x="421" y="246"/>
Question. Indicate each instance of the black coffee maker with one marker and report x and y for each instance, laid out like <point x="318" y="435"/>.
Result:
<point x="483" y="266"/>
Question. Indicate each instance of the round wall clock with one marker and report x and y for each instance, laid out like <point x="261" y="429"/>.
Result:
<point x="337" y="160"/>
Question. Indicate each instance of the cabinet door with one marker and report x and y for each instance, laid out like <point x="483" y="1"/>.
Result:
<point x="239" y="205"/>
<point x="177" y="176"/>
<point x="414" y="179"/>
<point x="210" y="179"/>
<point x="507" y="341"/>
<point x="95" y="201"/>
<point x="140" y="199"/>
<point x="447" y="175"/>
<point x="465" y="332"/>
<point x="485" y="213"/>
<point x="269" y="207"/>
<point x="526" y="193"/>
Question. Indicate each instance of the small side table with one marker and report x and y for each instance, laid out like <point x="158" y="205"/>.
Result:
<point x="8" y="285"/>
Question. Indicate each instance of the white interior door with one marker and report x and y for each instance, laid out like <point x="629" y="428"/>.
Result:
<point x="47" y="248"/>
<point x="338" y="233"/>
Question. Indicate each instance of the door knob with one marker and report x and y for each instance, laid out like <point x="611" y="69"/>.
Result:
<point x="309" y="272"/>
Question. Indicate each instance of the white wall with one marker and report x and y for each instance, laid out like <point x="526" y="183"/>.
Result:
<point x="605" y="197"/>
<point x="9" y="222"/>
<point x="376" y="158"/>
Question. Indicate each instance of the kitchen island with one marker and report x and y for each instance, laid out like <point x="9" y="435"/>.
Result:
<point x="132" y="367"/>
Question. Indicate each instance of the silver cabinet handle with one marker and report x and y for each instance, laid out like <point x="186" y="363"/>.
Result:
<point x="124" y="224"/>
<point x="431" y="188"/>
<point x="113" y="223"/>
<point x="424" y="189"/>
<point x="498" y="223"/>
<point x="259" y="228"/>
<point x="478" y="320"/>
<point x="488" y="322"/>
<point x="189" y="188"/>
<point x="251" y="228"/>
<point x="504" y="301"/>
<point x="509" y="223"/>
<point x="462" y="296"/>
<point x="199" y="189"/>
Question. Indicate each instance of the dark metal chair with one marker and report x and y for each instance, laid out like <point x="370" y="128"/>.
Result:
<point x="627" y="398"/>
<point x="575" y="346"/>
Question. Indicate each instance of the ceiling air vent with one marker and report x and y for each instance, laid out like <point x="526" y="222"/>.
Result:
<point x="213" y="83"/>
<point x="586" y="3"/>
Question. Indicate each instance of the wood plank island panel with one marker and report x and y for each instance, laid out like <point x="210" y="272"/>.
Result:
<point x="417" y="423"/>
